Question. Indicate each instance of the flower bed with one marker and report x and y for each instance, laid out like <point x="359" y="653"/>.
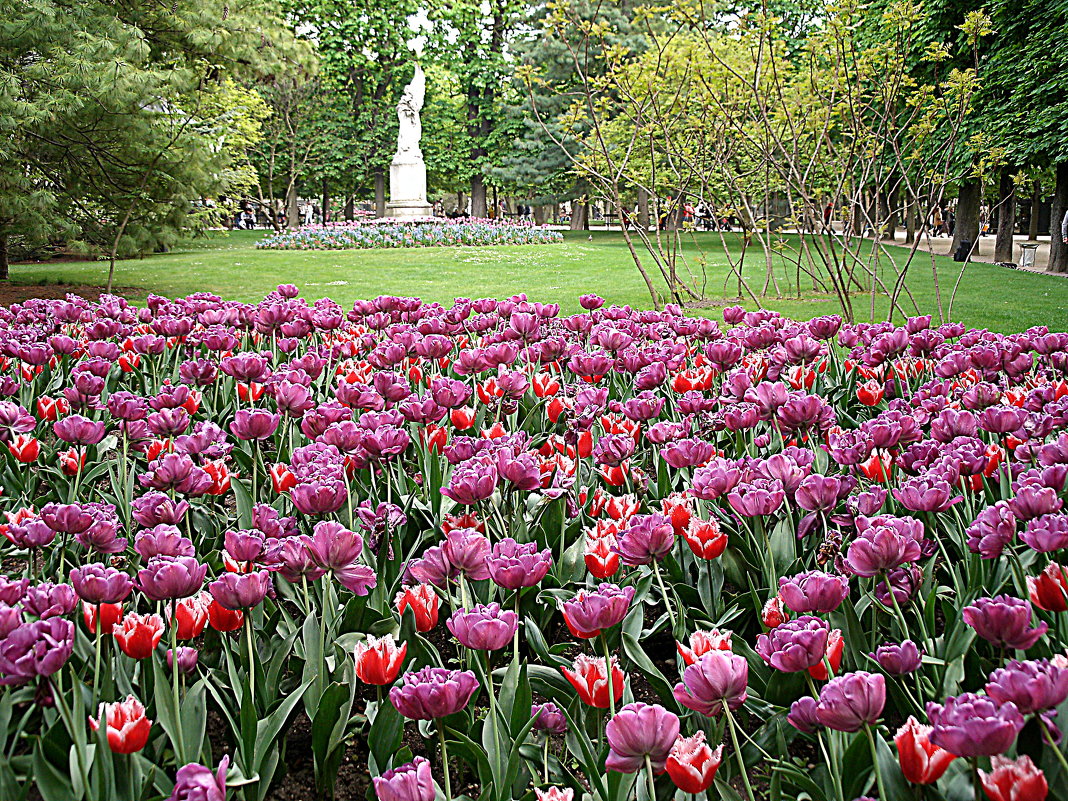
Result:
<point x="409" y="234"/>
<point x="495" y="550"/>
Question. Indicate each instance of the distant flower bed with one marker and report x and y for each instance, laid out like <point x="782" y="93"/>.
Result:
<point x="409" y="234"/>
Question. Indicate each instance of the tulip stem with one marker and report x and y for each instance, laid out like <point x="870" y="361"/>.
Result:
<point x="545" y="757"/>
<point x="444" y="762"/>
<point x="179" y="734"/>
<point x="251" y="657"/>
<point x="651" y="778"/>
<point x="96" y="659"/>
<point x="608" y="673"/>
<point x="875" y="761"/>
<point x="664" y="592"/>
<point x="1048" y="736"/>
<point x="737" y="752"/>
<point x="977" y="783"/>
<point x="492" y="704"/>
<point x="518" y="615"/>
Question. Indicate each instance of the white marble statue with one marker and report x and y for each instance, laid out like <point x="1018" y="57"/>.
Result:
<point x="407" y="172"/>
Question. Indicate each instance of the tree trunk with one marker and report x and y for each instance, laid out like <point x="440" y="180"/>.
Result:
<point x="580" y="215"/>
<point x="5" y="258"/>
<point x="1036" y="209"/>
<point x="910" y="222"/>
<point x="350" y="208"/>
<point x="643" y="207"/>
<point x="292" y="208"/>
<point x="1006" y="216"/>
<point x="380" y="192"/>
<point x="541" y="214"/>
<point x="556" y="213"/>
<point x="496" y="205"/>
<point x="478" y="195"/>
<point x="969" y="196"/>
<point x="1058" y="251"/>
<point x="326" y="201"/>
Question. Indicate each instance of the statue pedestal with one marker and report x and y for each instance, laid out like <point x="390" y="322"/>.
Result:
<point x="407" y="188"/>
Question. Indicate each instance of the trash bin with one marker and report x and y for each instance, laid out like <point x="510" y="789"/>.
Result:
<point x="963" y="251"/>
<point x="1028" y="250"/>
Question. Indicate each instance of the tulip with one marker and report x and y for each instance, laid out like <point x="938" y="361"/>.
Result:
<point x="795" y="645"/>
<point x="97" y="584"/>
<point x="1033" y="686"/>
<point x="336" y="549"/>
<point x="1049" y="589"/>
<point x="922" y="762"/>
<point x="379" y="660"/>
<point x="554" y="794"/>
<point x="25" y="448"/>
<point x="849" y="702"/>
<point x="1014" y="780"/>
<point x="692" y="764"/>
<point x="138" y="635"/>
<point x="1004" y="621"/>
<point x="410" y="782"/>
<point x="703" y="642"/>
<point x="600" y="556"/>
<point x="107" y="614"/>
<point x="589" y="613"/>
<point x="705" y="538"/>
<point x="883" y="543"/>
<point x="513" y="565"/>
<point x="433" y="693"/>
<point x="187" y="659"/>
<point x="222" y="619"/>
<point x="802" y="715"/>
<point x="549" y="718"/>
<point x="773" y="614"/>
<point x="640" y="733"/>
<point x="191" y="614"/>
<point x="484" y="627"/>
<point x="423" y="602"/>
<point x="235" y="591"/>
<point x="647" y="538"/>
<point x="467" y="551"/>
<point x="832" y="658"/>
<point x="813" y="592"/>
<point x="167" y="578"/>
<point x="971" y="725"/>
<point x="717" y="678"/>
<point x="898" y="659"/>
<point x="197" y="783"/>
<point x="589" y="677"/>
<point x="35" y="649"/>
<point x="126" y="723"/>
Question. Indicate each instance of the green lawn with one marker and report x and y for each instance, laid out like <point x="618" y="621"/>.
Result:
<point x="230" y="265"/>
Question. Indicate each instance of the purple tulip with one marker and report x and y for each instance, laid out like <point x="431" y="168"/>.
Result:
<point x="484" y="627"/>
<point x="850" y="701"/>
<point x="167" y="578"/>
<point x="715" y="479"/>
<point x="548" y="718"/>
<point x="971" y="725"/>
<point x="717" y="678"/>
<point x="802" y="715"/>
<point x="1004" y="621"/>
<point x="926" y="494"/>
<point x="647" y="538"/>
<point x="433" y="693"/>
<point x="467" y="550"/>
<point x="319" y="497"/>
<point x="795" y="645"/>
<point x="994" y="528"/>
<point x="898" y="659"/>
<point x="818" y="493"/>
<point x="155" y="508"/>
<point x="639" y="732"/>
<point x="336" y="549"/>
<point x="78" y="430"/>
<point x="513" y="565"/>
<point x="471" y="482"/>
<point x="813" y="592"/>
<point x="197" y="783"/>
<point x="1046" y="533"/>
<point x="39" y="648"/>
<point x="757" y="498"/>
<point x="1033" y="686"/>
<point x="50" y="600"/>
<point x="187" y="659"/>
<point x="67" y="518"/>
<point x="412" y="781"/>
<point x="12" y="590"/>
<point x="241" y="590"/>
<point x="1033" y="501"/>
<point x="884" y="543"/>
<point x="99" y="584"/>
<point x="163" y="540"/>
<point x="32" y="533"/>
<point x="254" y="424"/>
<point x="589" y="613"/>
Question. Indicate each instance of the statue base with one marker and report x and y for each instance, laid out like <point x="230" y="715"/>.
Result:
<point x="407" y="187"/>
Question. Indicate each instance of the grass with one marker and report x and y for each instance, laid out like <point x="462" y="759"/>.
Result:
<point x="229" y="264"/>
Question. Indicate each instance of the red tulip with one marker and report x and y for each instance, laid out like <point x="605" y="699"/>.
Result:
<point x="922" y="762"/>
<point x="833" y="655"/>
<point x="704" y="642"/>
<point x="138" y="635"/>
<point x="435" y="437"/>
<point x="110" y="614"/>
<point x="870" y="393"/>
<point x="1014" y="780"/>
<point x="468" y="520"/>
<point x="462" y="417"/>
<point x="600" y="559"/>
<point x="1049" y="589"/>
<point x="773" y="614"/>
<point x="379" y="660"/>
<point x="251" y="390"/>
<point x="70" y="462"/>
<point x="282" y="478"/>
<point x="545" y="384"/>
<point x="679" y="508"/>
<point x="555" y="408"/>
<point x="128" y="362"/>
<point x="222" y="619"/>
<point x="589" y="677"/>
<point x="585" y="444"/>
<point x="50" y="409"/>
<point x="705" y="538"/>
<point x="25" y="448"/>
<point x="191" y="614"/>
<point x="423" y="602"/>
<point x="126" y="723"/>
<point x="878" y="468"/>
<point x="220" y="476"/>
<point x="692" y="765"/>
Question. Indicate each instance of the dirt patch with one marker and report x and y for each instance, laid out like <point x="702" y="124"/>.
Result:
<point x="18" y="293"/>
